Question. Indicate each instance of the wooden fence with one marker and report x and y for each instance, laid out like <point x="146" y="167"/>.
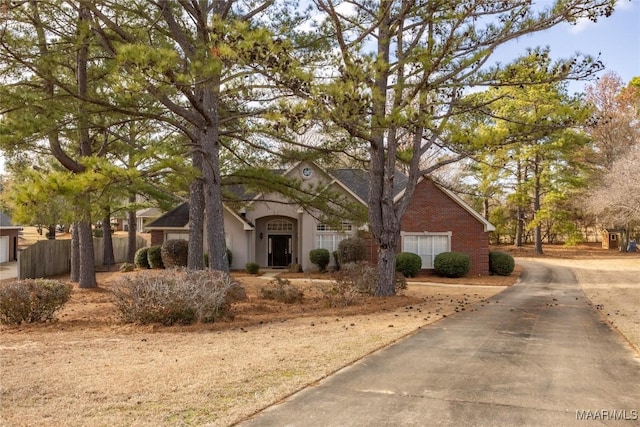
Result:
<point x="48" y="258"/>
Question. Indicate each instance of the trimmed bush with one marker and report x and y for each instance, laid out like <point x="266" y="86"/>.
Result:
<point x="176" y="296"/>
<point x="281" y="290"/>
<point x="451" y="264"/>
<point x="408" y="263"/>
<point x="154" y="256"/>
<point x="32" y="300"/>
<point x="140" y="259"/>
<point x="127" y="267"/>
<point x="174" y="253"/>
<point x="501" y="263"/>
<point x="252" y="267"/>
<point x="336" y="259"/>
<point x="320" y="257"/>
<point x="352" y="249"/>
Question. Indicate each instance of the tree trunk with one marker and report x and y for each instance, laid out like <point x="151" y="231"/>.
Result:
<point x="87" y="278"/>
<point x="195" y="259"/>
<point x="216" y="242"/>
<point x="132" y="241"/>
<point x="75" y="253"/>
<point x="383" y="222"/>
<point x="536" y="206"/>
<point x="519" y="210"/>
<point x="386" y="285"/>
<point x="108" y="257"/>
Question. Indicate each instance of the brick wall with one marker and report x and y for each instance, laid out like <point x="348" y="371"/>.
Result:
<point x="157" y="237"/>
<point x="434" y="211"/>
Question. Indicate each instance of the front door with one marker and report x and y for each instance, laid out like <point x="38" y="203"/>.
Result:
<point x="279" y="250"/>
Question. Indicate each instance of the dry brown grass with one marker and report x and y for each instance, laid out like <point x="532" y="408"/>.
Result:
<point x="87" y="368"/>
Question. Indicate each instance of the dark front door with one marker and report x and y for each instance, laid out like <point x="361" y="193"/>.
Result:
<point x="279" y="250"/>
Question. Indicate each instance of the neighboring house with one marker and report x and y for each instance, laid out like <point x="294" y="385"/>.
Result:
<point x="273" y="232"/>
<point x="611" y="238"/>
<point x="143" y="216"/>
<point x="8" y="239"/>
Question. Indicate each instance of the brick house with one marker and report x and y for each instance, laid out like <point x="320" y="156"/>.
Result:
<point x="437" y="220"/>
<point x="275" y="233"/>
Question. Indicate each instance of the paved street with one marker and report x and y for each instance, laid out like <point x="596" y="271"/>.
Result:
<point x="537" y="354"/>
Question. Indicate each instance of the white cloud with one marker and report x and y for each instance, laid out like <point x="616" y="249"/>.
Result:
<point x="581" y="25"/>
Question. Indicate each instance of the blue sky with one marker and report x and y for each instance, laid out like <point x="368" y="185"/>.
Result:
<point x="616" y="38"/>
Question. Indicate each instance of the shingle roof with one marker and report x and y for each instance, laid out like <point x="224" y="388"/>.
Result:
<point x="357" y="180"/>
<point x="5" y="221"/>
<point x="178" y="217"/>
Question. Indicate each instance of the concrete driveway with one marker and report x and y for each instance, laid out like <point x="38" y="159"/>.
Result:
<point x="9" y="270"/>
<point x="538" y="354"/>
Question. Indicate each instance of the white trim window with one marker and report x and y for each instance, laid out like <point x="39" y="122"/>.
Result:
<point x="427" y="245"/>
<point x="328" y="237"/>
<point x="279" y="225"/>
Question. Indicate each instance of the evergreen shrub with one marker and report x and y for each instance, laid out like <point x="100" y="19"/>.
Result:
<point x="252" y="267"/>
<point x="408" y="263"/>
<point x="320" y="257"/>
<point x="140" y="259"/>
<point x="154" y="257"/>
<point x="452" y="264"/>
<point x="127" y="267"/>
<point x="501" y="263"/>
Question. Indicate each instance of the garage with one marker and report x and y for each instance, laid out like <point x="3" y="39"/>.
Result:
<point x="4" y="249"/>
<point x="8" y="239"/>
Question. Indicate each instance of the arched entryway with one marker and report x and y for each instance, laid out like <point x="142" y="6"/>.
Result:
<point x="276" y="241"/>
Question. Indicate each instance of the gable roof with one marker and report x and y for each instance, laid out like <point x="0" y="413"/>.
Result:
<point x="5" y="222"/>
<point x="178" y="218"/>
<point x="357" y="181"/>
<point x="457" y="199"/>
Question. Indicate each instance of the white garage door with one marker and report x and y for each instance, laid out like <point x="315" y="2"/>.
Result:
<point x="4" y="249"/>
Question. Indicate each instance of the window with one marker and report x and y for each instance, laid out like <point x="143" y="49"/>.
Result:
<point x="328" y="237"/>
<point x="177" y="236"/>
<point x="345" y="226"/>
<point x="279" y="225"/>
<point x="427" y="245"/>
